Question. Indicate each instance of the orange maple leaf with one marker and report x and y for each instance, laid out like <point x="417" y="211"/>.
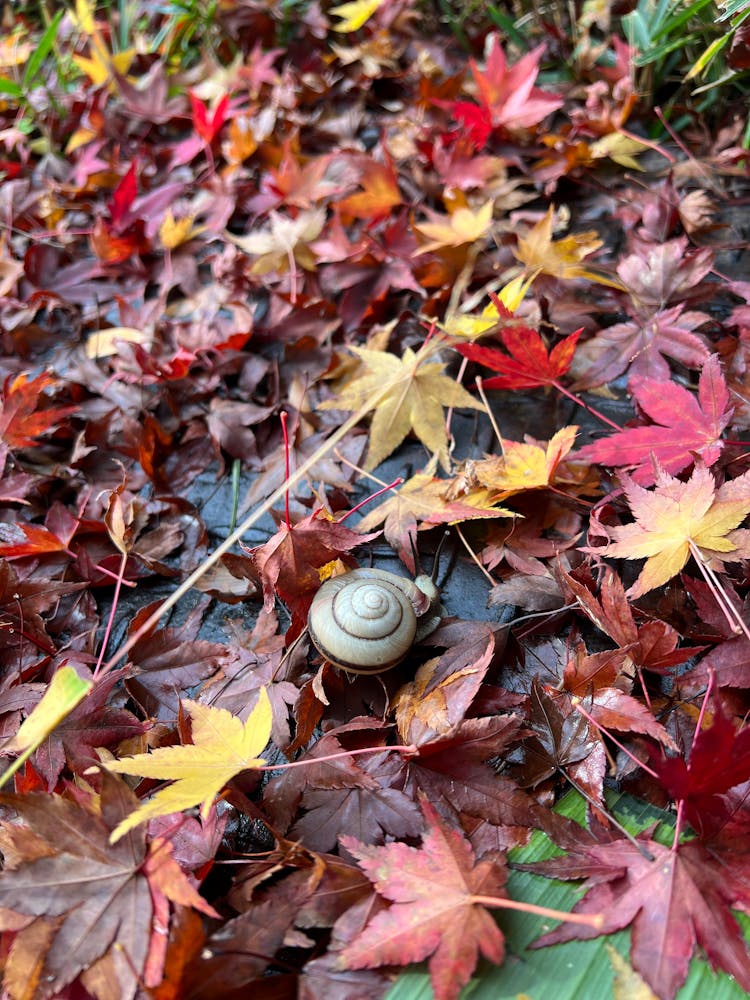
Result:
<point x="380" y="192"/>
<point x="22" y="420"/>
<point x="525" y="465"/>
<point x="560" y="258"/>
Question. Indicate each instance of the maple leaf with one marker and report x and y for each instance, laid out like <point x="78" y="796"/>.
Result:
<point x="208" y="128"/>
<point x="380" y="192"/>
<point x="354" y="14"/>
<point x="507" y="95"/>
<point x="93" y="895"/>
<point x="528" y="365"/>
<point x="641" y="347"/>
<point x="651" y="646"/>
<point x="559" y="258"/>
<point x="94" y="723"/>
<point x="424" y="499"/>
<point x="524" y="467"/>
<point x="684" y="426"/>
<point x="562" y="738"/>
<point x="675" y="899"/>
<point x="433" y="912"/>
<point x="284" y="242"/>
<point x="222" y="747"/>
<point x="676" y="520"/>
<point x="418" y="390"/>
<point x="462" y="226"/>
<point x="719" y="760"/>
<point x="22" y="419"/>
<point x="658" y="274"/>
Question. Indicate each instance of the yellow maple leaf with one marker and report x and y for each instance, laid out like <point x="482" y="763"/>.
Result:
<point x="678" y="519"/>
<point x="524" y="466"/>
<point x="619" y="148"/>
<point x="418" y="389"/>
<point x="65" y="691"/>
<point x="83" y="17"/>
<point x="560" y="258"/>
<point x="100" y="66"/>
<point x="173" y="232"/>
<point x="222" y="747"/>
<point x="470" y="326"/>
<point x="457" y="229"/>
<point x="353" y="15"/>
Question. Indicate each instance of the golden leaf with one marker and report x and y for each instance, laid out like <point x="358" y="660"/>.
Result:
<point x="222" y="747"/>
<point x="354" y="14"/>
<point x="457" y="229"/>
<point x="418" y="389"/>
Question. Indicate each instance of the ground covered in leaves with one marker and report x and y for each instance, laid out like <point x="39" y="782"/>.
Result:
<point x="252" y="261"/>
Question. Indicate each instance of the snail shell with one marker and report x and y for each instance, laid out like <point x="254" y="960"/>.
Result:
<point x="366" y="621"/>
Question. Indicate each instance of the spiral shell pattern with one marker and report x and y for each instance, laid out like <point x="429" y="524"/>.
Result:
<point x="363" y="621"/>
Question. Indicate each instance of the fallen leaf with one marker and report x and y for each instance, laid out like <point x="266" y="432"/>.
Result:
<point x="354" y="14"/>
<point x="523" y="467"/>
<point x="93" y="895"/>
<point x="507" y="95"/>
<point x="418" y="389"/>
<point x="222" y="747"/>
<point x="283" y="242"/>
<point x="561" y="258"/>
<point x="684" y="426"/>
<point x="23" y="418"/>
<point x="719" y="760"/>
<point x="676" y="900"/>
<point x="462" y="226"/>
<point x="675" y="520"/>
<point x="529" y="364"/>
<point x="432" y="913"/>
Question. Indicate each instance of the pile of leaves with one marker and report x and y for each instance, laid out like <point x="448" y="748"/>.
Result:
<point x="273" y="242"/>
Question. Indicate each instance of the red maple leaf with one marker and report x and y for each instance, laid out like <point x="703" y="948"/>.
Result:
<point x="528" y="365"/>
<point x="683" y="426"/>
<point x="208" y="128"/>
<point x="22" y="418"/>
<point x="507" y="95"/>
<point x="719" y="760"/>
<point x="433" y="913"/>
<point x="675" y="899"/>
<point x="289" y="562"/>
<point x="123" y="197"/>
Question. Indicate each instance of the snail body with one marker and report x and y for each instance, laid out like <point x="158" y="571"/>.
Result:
<point x="367" y="620"/>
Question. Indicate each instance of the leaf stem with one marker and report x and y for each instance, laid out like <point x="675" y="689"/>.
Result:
<point x="732" y="615"/>
<point x="112" y="610"/>
<point x="285" y="433"/>
<point x="605" y="732"/>
<point x="410" y="749"/>
<point x="373" y="496"/>
<point x="595" y="920"/>
<point x="589" y="409"/>
<point x="602" y="809"/>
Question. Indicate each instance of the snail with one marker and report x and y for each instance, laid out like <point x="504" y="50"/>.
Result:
<point x="367" y="620"/>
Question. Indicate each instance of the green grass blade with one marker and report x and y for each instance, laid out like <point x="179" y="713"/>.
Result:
<point x="10" y="87"/>
<point x="41" y="51"/>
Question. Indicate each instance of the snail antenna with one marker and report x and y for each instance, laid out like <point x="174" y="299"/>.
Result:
<point x="438" y="550"/>
<point x="415" y="555"/>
